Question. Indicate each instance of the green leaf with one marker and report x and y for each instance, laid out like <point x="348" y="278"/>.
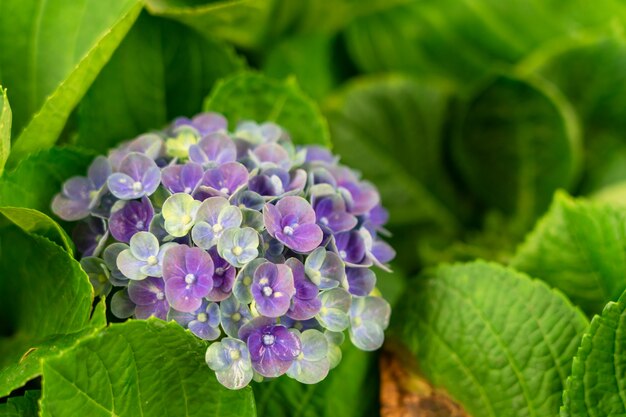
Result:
<point x="578" y="247"/>
<point x="348" y="391"/>
<point x="598" y="62"/>
<point x="24" y="406"/>
<point x="530" y="148"/>
<point x="142" y="367"/>
<point x="390" y="128"/>
<point x="61" y="48"/>
<point x="498" y="342"/>
<point x="309" y="58"/>
<point x="33" y="221"/>
<point x="238" y="21"/>
<point x="39" y="177"/>
<point x="45" y="304"/>
<point x="176" y="71"/>
<point x="466" y="40"/>
<point x="5" y="128"/>
<point x="596" y="386"/>
<point x="252" y="96"/>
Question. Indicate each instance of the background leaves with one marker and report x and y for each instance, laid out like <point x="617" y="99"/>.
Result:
<point x="497" y="341"/>
<point x="61" y="49"/>
<point x="139" y="368"/>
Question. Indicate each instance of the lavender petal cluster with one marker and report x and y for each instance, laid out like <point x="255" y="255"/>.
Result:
<point x="262" y="247"/>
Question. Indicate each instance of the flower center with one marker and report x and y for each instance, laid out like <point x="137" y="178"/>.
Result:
<point x="202" y="317"/>
<point x="187" y="190"/>
<point x="152" y="260"/>
<point x="219" y="271"/>
<point x="234" y="354"/>
<point x="137" y="186"/>
<point x="324" y="221"/>
<point x="224" y="190"/>
<point x="237" y="250"/>
<point x="247" y="280"/>
<point x="267" y="291"/>
<point x="160" y="295"/>
<point x="356" y="321"/>
<point x="268" y="339"/>
<point x="236" y="317"/>
<point x="139" y="225"/>
<point x="186" y="219"/>
<point x="217" y="228"/>
<point x="343" y="254"/>
<point x="190" y="278"/>
<point x="288" y="230"/>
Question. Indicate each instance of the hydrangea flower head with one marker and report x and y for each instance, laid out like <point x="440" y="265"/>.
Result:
<point x="265" y="249"/>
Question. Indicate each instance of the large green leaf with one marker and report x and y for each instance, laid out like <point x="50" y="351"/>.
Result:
<point x="176" y="71"/>
<point x="578" y="247"/>
<point x="5" y="128"/>
<point x="33" y="221"/>
<point x="310" y="58"/>
<point x="39" y="177"/>
<point x="24" y="406"/>
<point x="348" y="391"/>
<point x="390" y="128"/>
<point x="465" y="40"/>
<point x="147" y="368"/>
<point x="499" y="342"/>
<point x="598" y="63"/>
<point x="597" y="386"/>
<point x="45" y="304"/>
<point x="60" y="49"/>
<point x="252" y="96"/>
<point x="239" y="21"/>
<point x="517" y="143"/>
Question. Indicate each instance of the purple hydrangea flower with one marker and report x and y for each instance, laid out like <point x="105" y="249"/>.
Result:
<point x="238" y="246"/>
<point x="312" y="364"/>
<point x="305" y="304"/>
<point x="204" y="123"/>
<point x="188" y="275"/>
<point x="213" y="150"/>
<point x="204" y="322"/>
<point x="90" y="236"/>
<point x="230" y="359"/>
<point x="133" y="217"/>
<point x="330" y="212"/>
<point x="325" y="269"/>
<point x="144" y="257"/>
<point x="361" y="281"/>
<point x="149" y="297"/>
<point x="81" y="194"/>
<point x="274" y="182"/>
<point x="150" y="145"/>
<point x="319" y="154"/>
<point x="334" y="312"/>
<point x="109" y="256"/>
<point x="271" y="155"/>
<point x="234" y="314"/>
<point x="272" y="289"/>
<point x="223" y="277"/>
<point x="350" y="247"/>
<point x="138" y="176"/>
<point x="255" y="133"/>
<point x="243" y="282"/>
<point x="121" y="305"/>
<point x="214" y="215"/>
<point x="360" y="197"/>
<point x="182" y="178"/>
<point x="292" y="222"/>
<point x="223" y="181"/>
<point x="369" y="317"/>
<point x="273" y="348"/>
